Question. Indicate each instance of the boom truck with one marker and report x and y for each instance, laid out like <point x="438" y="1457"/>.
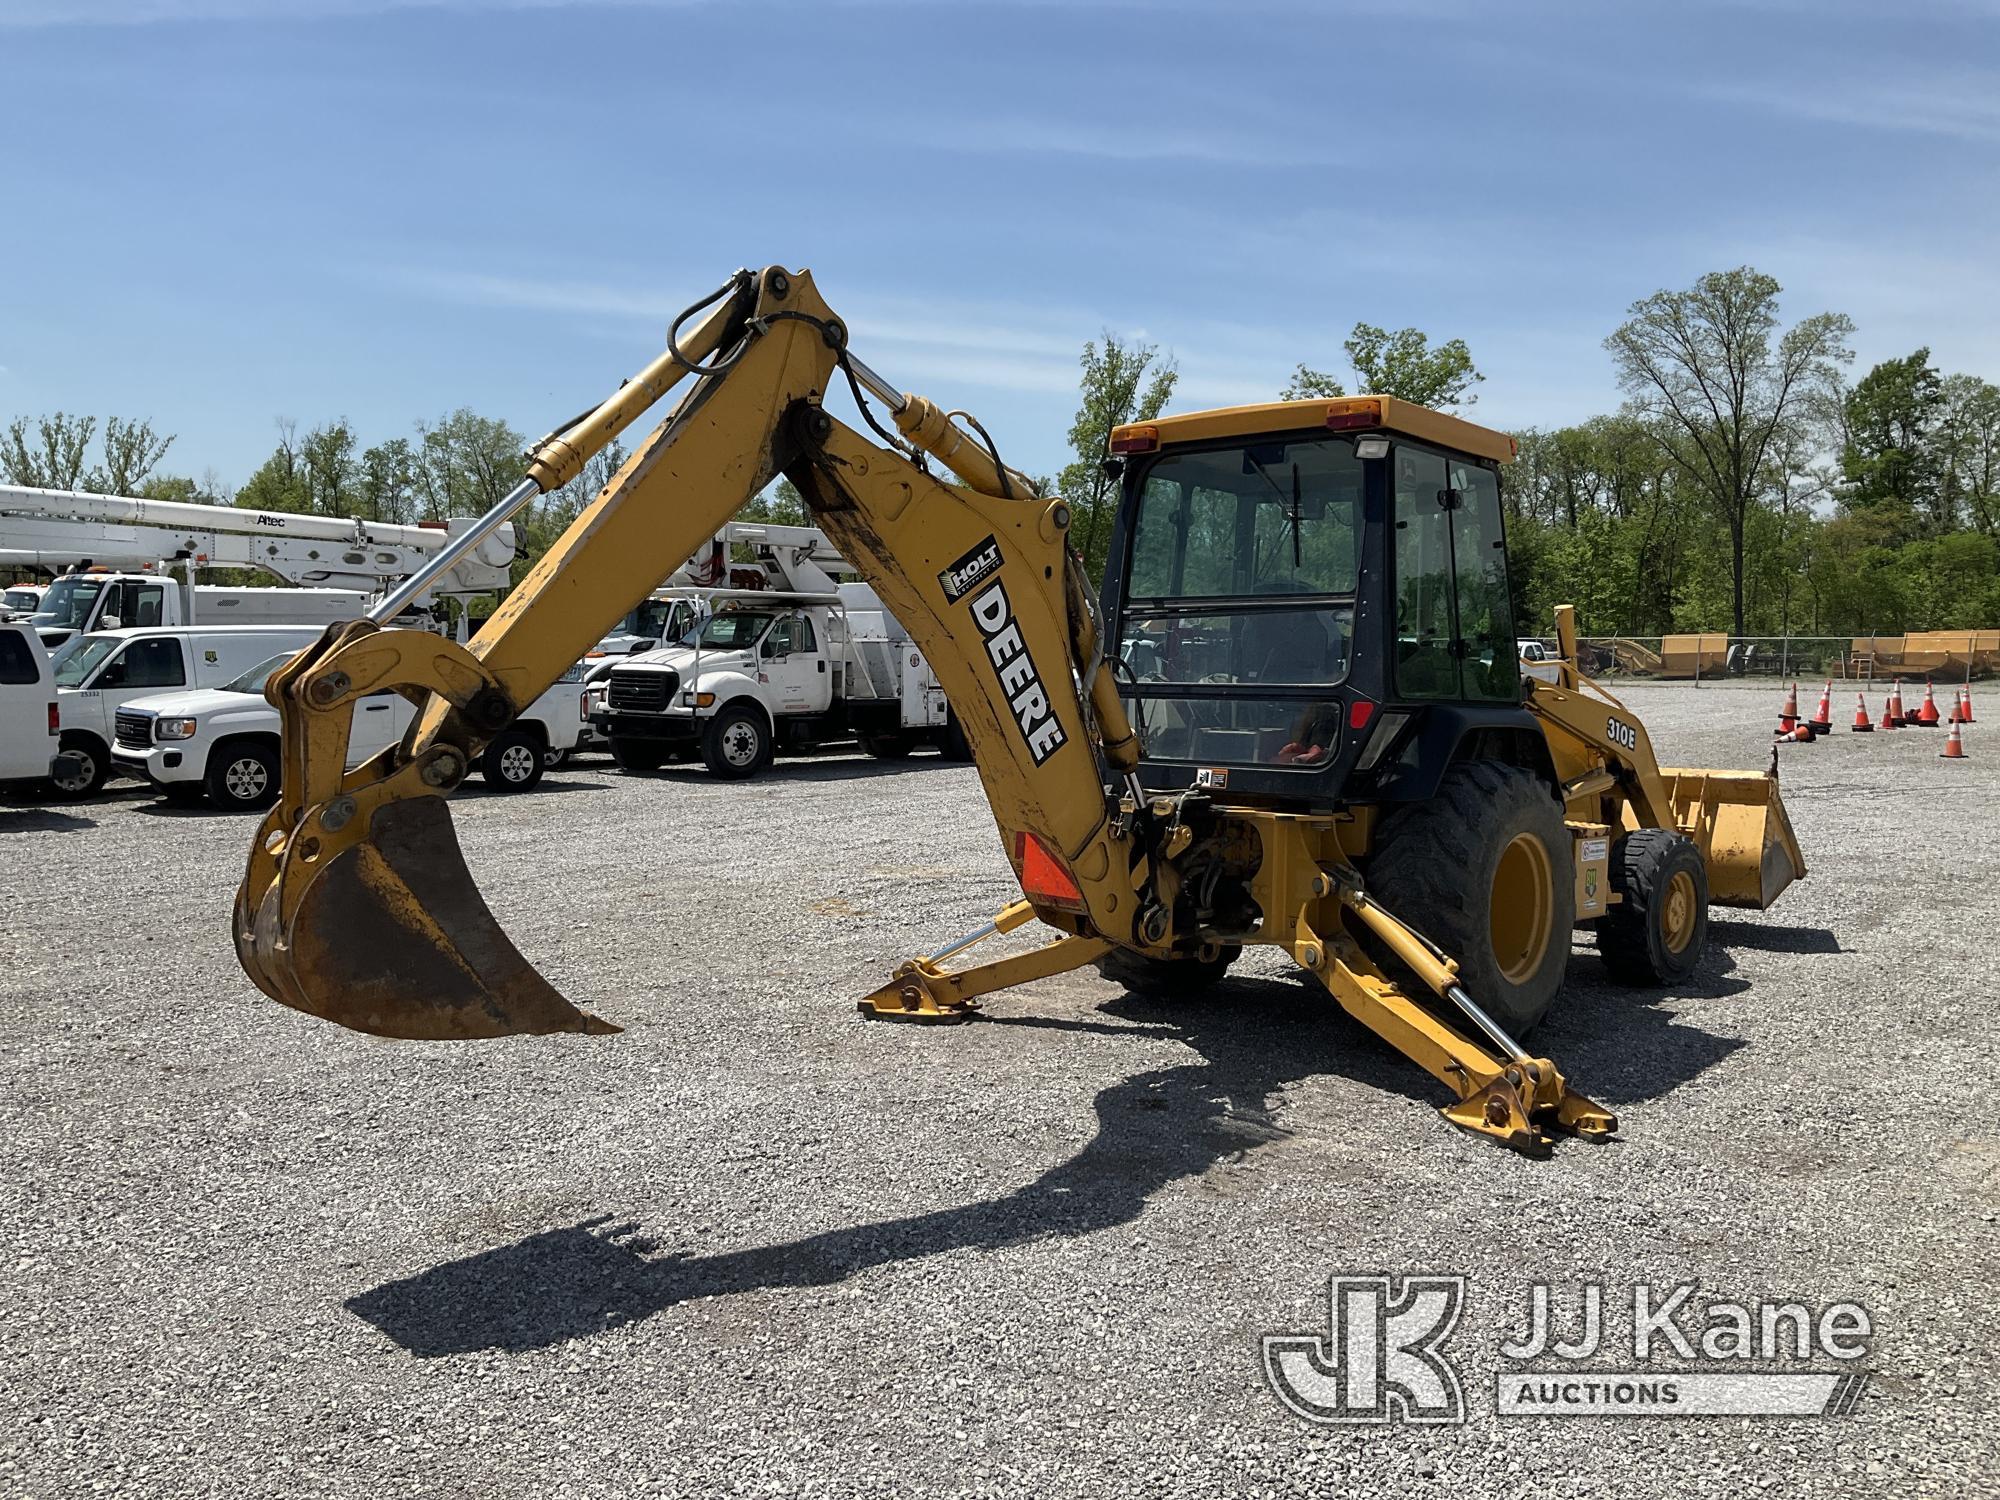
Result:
<point x="1331" y="750"/>
<point x="799" y="660"/>
<point x="87" y="538"/>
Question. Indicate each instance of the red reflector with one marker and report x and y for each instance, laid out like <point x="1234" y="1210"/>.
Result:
<point x="1359" y="712"/>
<point x="1135" y="440"/>
<point x="55" y="718"/>
<point x="1045" y="878"/>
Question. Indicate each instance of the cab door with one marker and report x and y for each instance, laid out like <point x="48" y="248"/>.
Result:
<point x="794" y="666"/>
<point x="379" y="722"/>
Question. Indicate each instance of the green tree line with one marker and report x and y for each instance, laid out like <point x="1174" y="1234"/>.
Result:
<point x="1743" y="485"/>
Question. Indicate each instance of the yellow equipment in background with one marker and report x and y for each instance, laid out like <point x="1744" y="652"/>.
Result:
<point x="1294" y="718"/>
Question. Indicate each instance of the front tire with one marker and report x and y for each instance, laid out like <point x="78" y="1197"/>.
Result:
<point x="512" y="762"/>
<point x="736" y="745"/>
<point x="1656" y="932"/>
<point x="637" y="755"/>
<point x="1170" y="978"/>
<point x="242" y="777"/>
<point x="1484" y="870"/>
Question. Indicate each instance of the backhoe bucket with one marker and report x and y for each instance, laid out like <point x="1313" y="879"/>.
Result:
<point x="390" y="936"/>
<point x="1740" y="825"/>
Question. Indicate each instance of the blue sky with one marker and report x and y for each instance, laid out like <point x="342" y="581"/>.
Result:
<point x="224" y="211"/>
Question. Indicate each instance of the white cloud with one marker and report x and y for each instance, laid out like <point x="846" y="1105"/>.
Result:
<point x="1964" y="104"/>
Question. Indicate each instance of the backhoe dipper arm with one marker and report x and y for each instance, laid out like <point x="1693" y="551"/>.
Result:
<point x="357" y="906"/>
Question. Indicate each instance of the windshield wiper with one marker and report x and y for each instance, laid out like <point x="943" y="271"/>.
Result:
<point x="1292" y="503"/>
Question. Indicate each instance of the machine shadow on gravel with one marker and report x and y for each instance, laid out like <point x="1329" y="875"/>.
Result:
<point x="1252" y="1036"/>
<point x="1763" y="937"/>
<point x="845" y="768"/>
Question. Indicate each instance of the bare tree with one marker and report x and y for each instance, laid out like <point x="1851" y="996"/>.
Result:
<point x="57" y="458"/>
<point x="132" y="450"/>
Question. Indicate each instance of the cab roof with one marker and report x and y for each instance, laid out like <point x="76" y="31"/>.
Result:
<point x="1339" y="414"/>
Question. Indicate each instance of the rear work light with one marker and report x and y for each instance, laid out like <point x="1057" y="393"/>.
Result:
<point x="1135" y="440"/>
<point x="1045" y="879"/>
<point x="1343" y="416"/>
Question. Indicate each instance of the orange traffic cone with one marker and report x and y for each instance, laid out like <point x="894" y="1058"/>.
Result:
<point x="1889" y="714"/>
<point x="1861" y="724"/>
<point x="1965" y="705"/>
<point x="1788" y="716"/>
<point x="1927" y="715"/>
<point x="1954" y="746"/>
<point x="1896" y="703"/>
<point x="1822" y="719"/>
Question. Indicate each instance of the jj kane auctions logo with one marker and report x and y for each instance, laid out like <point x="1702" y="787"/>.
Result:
<point x="1383" y="1357"/>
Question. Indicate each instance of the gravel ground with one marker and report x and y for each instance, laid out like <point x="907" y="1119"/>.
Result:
<point x="754" y="1245"/>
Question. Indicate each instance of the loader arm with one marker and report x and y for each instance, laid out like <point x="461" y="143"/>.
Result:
<point x="357" y="905"/>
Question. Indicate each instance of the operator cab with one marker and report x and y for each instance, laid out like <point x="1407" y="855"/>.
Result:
<point x="1300" y="592"/>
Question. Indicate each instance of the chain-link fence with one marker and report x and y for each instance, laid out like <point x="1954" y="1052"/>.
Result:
<point x="1715" y="658"/>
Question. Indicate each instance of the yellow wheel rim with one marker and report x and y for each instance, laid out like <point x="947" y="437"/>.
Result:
<point x="1523" y="908"/>
<point x="1678" y="912"/>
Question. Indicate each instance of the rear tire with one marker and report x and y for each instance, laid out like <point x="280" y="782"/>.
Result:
<point x="889" y="746"/>
<point x="638" y="755"/>
<point x="1484" y="870"/>
<point x="242" y="777"/>
<point x="75" y="787"/>
<point x="953" y="745"/>
<point x="1655" y="934"/>
<point x="512" y="762"/>
<point x="736" y="745"/>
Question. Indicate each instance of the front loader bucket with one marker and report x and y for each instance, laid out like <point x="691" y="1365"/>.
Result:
<point x="391" y="937"/>
<point x="1739" y="823"/>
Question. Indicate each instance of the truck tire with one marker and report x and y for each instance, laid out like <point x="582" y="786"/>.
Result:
<point x="88" y="773"/>
<point x="736" y="745"/>
<point x="637" y="755"/>
<point x="554" y="760"/>
<point x="953" y="745"/>
<point x="889" y="746"/>
<point x="512" y="762"/>
<point x="242" y="775"/>
<point x="1484" y="870"/>
<point x="1655" y="933"/>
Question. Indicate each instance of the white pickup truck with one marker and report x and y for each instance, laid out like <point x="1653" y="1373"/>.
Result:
<point x="222" y="743"/>
<point x="773" y="668"/>
<point x="30" y="721"/>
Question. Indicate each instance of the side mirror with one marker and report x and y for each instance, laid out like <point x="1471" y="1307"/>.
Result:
<point x="1111" y="468"/>
<point x="110" y="622"/>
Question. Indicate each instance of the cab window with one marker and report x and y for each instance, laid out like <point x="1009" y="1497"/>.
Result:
<point x="793" y="633"/>
<point x="146" y="664"/>
<point x="17" y="659"/>
<point x="1454" y="620"/>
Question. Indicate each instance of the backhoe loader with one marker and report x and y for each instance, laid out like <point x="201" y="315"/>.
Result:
<point x="1294" y="717"/>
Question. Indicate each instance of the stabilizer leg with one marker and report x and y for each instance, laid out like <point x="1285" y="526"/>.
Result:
<point x="923" y="990"/>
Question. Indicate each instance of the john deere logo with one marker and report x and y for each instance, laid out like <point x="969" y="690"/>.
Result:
<point x="958" y="580"/>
